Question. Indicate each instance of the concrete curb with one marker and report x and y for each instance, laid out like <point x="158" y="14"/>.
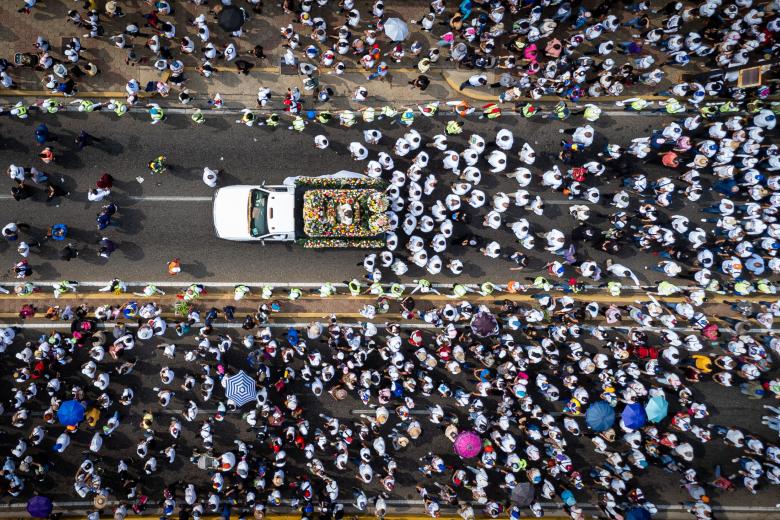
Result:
<point x="469" y="93"/>
<point x="479" y="95"/>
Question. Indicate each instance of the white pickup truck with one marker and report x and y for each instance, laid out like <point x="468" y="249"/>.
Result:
<point x="345" y="209"/>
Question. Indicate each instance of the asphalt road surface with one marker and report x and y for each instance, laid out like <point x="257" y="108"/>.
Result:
<point x="170" y="216"/>
<point x="727" y="406"/>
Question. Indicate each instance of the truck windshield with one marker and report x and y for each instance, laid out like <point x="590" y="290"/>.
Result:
<point x="258" y="226"/>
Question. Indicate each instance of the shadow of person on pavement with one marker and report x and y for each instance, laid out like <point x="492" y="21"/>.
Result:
<point x="130" y="250"/>
<point x="196" y="269"/>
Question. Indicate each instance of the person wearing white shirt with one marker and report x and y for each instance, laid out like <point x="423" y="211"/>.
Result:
<point x="504" y="139"/>
<point x="583" y="135"/>
<point x="439" y="142"/>
<point x="497" y="160"/>
<point x="492" y="249"/>
<point x="527" y="154"/>
<point x="492" y="220"/>
<point x="358" y="151"/>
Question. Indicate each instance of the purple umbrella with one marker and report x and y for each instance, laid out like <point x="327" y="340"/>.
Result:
<point x="39" y="506"/>
<point x="467" y="444"/>
<point x="484" y="324"/>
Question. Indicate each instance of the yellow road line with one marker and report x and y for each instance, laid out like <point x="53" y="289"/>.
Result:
<point x="601" y="297"/>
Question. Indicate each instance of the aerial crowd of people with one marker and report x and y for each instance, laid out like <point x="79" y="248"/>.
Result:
<point x="531" y="386"/>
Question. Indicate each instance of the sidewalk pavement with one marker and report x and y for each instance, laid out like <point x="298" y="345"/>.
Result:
<point x="312" y="307"/>
<point x="18" y="33"/>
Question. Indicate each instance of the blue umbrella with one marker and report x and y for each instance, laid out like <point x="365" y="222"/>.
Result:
<point x="633" y="416"/>
<point x="600" y="416"/>
<point x="638" y="513"/>
<point x="39" y="506"/>
<point x="70" y="413"/>
<point x="656" y="409"/>
<point x="240" y="389"/>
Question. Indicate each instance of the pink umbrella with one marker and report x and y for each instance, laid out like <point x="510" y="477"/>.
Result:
<point x="467" y="444"/>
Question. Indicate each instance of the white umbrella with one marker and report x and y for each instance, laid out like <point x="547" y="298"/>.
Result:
<point x="240" y="389"/>
<point x="396" y="29"/>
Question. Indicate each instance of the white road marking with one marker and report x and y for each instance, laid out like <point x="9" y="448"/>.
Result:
<point x="181" y="285"/>
<point x="151" y="198"/>
<point x="304" y="285"/>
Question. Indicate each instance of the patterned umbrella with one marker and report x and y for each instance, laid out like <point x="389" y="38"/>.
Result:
<point x="240" y="389"/>
<point x="70" y="413"/>
<point x="467" y="444"/>
<point x="484" y="324"/>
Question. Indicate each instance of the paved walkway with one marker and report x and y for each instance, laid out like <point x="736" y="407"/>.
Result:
<point x="311" y="307"/>
<point x="18" y="33"/>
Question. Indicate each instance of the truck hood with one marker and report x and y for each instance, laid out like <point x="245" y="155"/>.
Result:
<point x="281" y="213"/>
<point x="231" y="212"/>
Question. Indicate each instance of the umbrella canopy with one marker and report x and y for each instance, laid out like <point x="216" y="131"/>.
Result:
<point x="467" y="444"/>
<point x="39" y="506"/>
<point x="553" y="48"/>
<point x="633" y="416"/>
<point x="484" y="324"/>
<point x="638" y="513"/>
<point x="600" y="416"/>
<point x="523" y="494"/>
<point x="231" y="18"/>
<point x="240" y="389"/>
<point x="70" y="413"/>
<point x="656" y="409"/>
<point x="396" y="29"/>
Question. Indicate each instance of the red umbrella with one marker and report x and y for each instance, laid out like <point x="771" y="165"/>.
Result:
<point x="467" y="445"/>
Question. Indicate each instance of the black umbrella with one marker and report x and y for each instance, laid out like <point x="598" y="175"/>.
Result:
<point x="523" y="494"/>
<point x="484" y="324"/>
<point x="231" y="18"/>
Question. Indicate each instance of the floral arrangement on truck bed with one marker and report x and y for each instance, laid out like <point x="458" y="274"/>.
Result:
<point x="341" y="213"/>
<point x="341" y="183"/>
<point x="364" y="243"/>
